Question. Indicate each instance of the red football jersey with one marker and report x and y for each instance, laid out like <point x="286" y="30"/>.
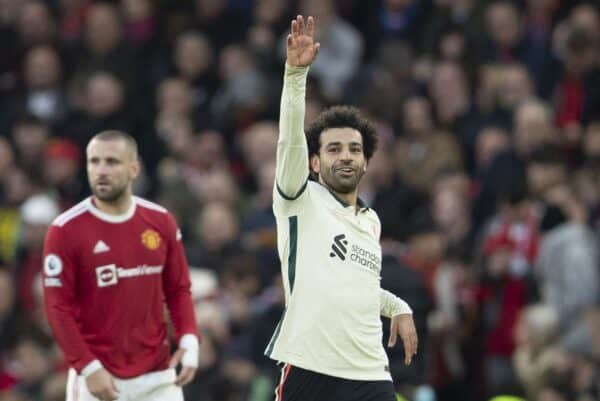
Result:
<point x="106" y="281"/>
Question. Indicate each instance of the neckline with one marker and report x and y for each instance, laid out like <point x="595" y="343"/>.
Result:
<point x="360" y="203"/>
<point x="112" y="218"/>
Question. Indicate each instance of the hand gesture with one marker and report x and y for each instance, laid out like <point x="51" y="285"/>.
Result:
<point x="102" y="385"/>
<point x="404" y="326"/>
<point x="187" y="373"/>
<point x="301" y="48"/>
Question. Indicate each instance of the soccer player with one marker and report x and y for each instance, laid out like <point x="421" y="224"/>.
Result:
<point x="110" y="264"/>
<point x="329" y="337"/>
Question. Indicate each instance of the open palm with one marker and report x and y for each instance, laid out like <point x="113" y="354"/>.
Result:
<point x="301" y="48"/>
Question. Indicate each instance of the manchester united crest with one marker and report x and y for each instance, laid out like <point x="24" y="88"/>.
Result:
<point x="151" y="239"/>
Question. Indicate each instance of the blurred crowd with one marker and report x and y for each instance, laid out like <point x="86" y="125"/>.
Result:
<point x="487" y="180"/>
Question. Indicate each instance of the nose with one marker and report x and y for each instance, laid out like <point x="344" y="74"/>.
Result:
<point x="346" y="155"/>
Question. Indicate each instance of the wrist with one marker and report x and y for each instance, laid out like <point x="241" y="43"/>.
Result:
<point x="295" y="68"/>
<point x="400" y="307"/>
<point x="91" y="368"/>
<point x="191" y="345"/>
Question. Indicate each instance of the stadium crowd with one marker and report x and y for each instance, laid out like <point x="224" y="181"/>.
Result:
<point x="487" y="180"/>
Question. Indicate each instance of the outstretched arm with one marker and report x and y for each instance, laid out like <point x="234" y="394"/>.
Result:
<point x="292" y="150"/>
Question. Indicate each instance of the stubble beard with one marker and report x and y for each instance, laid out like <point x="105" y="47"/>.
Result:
<point x="114" y="195"/>
<point x="342" y="186"/>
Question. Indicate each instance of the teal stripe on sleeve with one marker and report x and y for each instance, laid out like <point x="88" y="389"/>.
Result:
<point x="293" y="223"/>
<point x="291" y="198"/>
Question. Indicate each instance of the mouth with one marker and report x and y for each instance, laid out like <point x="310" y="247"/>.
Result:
<point x="345" y="171"/>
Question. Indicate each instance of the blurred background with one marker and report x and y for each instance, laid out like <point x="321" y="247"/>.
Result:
<point x="487" y="181"/>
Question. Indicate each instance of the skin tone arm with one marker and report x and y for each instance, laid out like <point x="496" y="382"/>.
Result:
<point x="404" y="326"/>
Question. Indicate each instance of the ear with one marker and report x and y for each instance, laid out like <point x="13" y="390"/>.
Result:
<point x="134" y="169"/>
<point x="365" y="166"/>
<point x="315" y="164"/>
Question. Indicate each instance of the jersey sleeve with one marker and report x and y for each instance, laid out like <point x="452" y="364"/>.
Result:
<point x="391" y="305"/>
<point x="59" y="275"/>
<point x="177" y="285"/>
<point x="292" y="150"/>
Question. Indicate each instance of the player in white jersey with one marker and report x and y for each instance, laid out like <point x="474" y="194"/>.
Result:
<point x="329" y="339"/>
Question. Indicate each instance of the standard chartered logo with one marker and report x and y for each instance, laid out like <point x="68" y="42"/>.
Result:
<point x="365" y="258"/>
<point x="358" y="255"/>
<point x="339" y="247"/>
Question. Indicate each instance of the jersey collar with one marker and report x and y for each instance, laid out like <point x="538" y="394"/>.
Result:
<point x="111" y="218"/>
<point x="361" y="204"/>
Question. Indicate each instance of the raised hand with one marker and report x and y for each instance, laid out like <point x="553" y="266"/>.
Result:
<point x="301" y="48"/>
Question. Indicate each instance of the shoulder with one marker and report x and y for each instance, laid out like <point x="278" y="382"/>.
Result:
<point x="372" y="215"/>
<point x="72" y="214"/>
<point x="149" y="206"/>
<point x="156" y="213"/>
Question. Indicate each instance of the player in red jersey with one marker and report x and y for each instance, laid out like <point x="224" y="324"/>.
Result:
<point x="111" y="263"/>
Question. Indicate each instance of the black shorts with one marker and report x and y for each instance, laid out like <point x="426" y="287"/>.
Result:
<point x="298" y="384"/>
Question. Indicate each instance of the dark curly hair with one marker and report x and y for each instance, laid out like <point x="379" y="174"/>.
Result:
<point x="341" y="117"/>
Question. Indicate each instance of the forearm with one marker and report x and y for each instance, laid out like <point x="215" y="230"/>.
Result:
<point x="182" y="314"/>
<point x="391" y="305"/>
<point x="181" y="310"/>
<point x="292" y="149"/>
<point x="66" y="332"/>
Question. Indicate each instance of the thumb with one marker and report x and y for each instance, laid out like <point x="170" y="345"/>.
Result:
<point x="176" y="358"/>
<point x="113" y="389"/>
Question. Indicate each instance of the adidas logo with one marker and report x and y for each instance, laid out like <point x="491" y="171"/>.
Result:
<point x="101" y="247"/>
<point x="338" y="248"/>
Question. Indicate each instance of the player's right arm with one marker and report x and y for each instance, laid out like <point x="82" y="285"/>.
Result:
<point x="59" y="281"/>
<point x="292" y="150"/>
<point x="59" y="275"/>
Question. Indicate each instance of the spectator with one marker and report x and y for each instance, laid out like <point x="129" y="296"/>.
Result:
<point x="423" y="151"/>
<point x="43" y="95"/>
<point x="29" y="134"/>
<point x="568" y="261"/>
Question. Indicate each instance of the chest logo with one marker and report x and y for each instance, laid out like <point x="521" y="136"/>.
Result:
<point x="339" y="247"/>
<point x="101" y="247"/>
<point x="151" y="239"/>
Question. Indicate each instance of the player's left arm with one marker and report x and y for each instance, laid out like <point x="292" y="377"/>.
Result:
<point x="177" y="289"/>
<point x="402" y="323"/>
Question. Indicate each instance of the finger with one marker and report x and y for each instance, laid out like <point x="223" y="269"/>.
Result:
<point x="415" y="342"/>
<point x="112" y="395"/>
<point x="408" y="350"/>
<point x="294" y="28"/>
<point x="289" y="40"/>
<point x="317" y="48"/>
<point x="410" y="347"/>
<point x="393" y="333"/>
<point x="310" y="27"/>
<point x="108" y="395"/>
<point x="185" y="376"/>
<point x="114" y="388"/>
<point x="301" y="25"/>
<point x="176" y="358"/>
<point x="113" y="392"/>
